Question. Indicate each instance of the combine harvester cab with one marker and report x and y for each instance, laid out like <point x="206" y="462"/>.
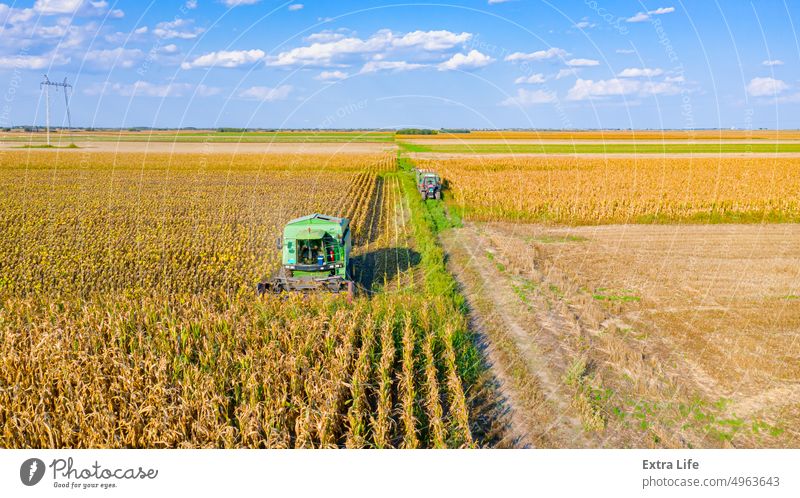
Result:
<point x="429" y="184"/>
<point x="315" y="257"/>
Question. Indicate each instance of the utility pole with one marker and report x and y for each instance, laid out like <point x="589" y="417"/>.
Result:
<point x="45" y="85"/>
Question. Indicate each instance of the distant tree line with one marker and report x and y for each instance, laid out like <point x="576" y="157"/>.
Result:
<point x="416" y="131"/>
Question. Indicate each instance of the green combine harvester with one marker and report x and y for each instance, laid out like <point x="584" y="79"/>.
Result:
<point x="315" y="257"/>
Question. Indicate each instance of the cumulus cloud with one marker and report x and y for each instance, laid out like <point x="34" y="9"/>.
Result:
<point x="226" y="58"/>
<point x="148" y="89"/>
<point x="296" y="6"/>
<point x="582" y="63"/>
<point x="530" y="97"/>
<point x="375" y="66"/>
<point x="179" y="28"/>
<point x="265" y="93"/>
<point x="77" y="7"/>
<point x="645" y="16"/>
<point x="32" y="61"/>
<point x="584" y="23"/>
<point x="763" y="87"/>
<point x="563" y="73"/>
<point x="236" y="3"/>
<point x="328" y="49"/>
<point x="472" y="60"/>
<point x="539" y="55"/>
<point x="331" y="75"/>
<point x="119" y="57"/>
<point x="587" y="89"/>
<point x="640" y="72"/>
<point x="772" y="62"/>
<point x="190" y="4"/>
<point x="532" y="79"/>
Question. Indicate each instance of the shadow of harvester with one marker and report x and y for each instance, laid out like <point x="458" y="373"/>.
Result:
<point x="373" y="268"/>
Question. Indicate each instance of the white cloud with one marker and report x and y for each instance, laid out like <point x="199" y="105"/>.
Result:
<point x="374" y="66"/>
<point x="626" y="51"/>
<point x="226" y="58"/>
<point x="763" y="87"/>
<point x="563" y="73"/>
<point x="57" y="6"/>
<point x="179" y="28"/>
<point x="773" y="62"/>
<point x="645" y="16"/>
<point x="586" y="89"/>
<point x="331" y="75"/>
<point x="658" y="88"/>
<point x="79" y="7"/>
<point x="325" y="36"/>
<point x="584" y="23"/>
<point x="538" y="55"/>
<point x="472" y="60"/>
<point x="532" y="79"/>
<point x="265" y="93"/>
<point x="675" y="79"/>
<point x="640" y="72"/>
<point x="662" y="10"/>
<point x="236" y="3"/>
<point x="495" y="2"/>
<point x="32" y="61"/>
<point x="431" y="40"/>
<point x="329" y="49"/>
<point x="147" y="89"/>
<point x="582" y="63"/>
<point x="639" y="17"/>
<point x="190" y="4"/>
<point x="296" y="6"/>
<point x="530" y="97"/>
<point x="119" y="57"/>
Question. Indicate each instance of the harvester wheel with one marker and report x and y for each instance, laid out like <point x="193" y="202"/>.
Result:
<point x="351" y="291"/>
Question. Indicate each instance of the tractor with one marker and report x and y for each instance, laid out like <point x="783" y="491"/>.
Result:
<point x="315" y="257"/>
<point x="429" y="184"/>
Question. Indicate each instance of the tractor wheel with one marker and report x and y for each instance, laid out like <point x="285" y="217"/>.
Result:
<point x="438" y="196"/>
<point x="351" y="291"/>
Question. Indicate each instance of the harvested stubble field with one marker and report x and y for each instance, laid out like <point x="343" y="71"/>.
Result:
<point x="646" y="336"/>
<point x="128" y="316"/>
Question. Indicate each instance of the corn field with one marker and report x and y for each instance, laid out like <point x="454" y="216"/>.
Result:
<point x="574" y="190"/>
<point x="128" y="317"/>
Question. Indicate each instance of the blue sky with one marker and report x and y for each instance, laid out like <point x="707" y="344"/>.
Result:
<point x="380" y="64"/>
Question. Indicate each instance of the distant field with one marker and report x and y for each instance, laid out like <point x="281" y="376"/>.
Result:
<point x="212" y="137"/>
<point x="608" y="148"/>
<point x="620" y="135"/>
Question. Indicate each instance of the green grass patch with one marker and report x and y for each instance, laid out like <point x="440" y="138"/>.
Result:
<point x="621" y="295"/>
<point x="556" y="239"/>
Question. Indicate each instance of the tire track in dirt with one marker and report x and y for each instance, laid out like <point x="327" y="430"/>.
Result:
<point x="560" y="427"/>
